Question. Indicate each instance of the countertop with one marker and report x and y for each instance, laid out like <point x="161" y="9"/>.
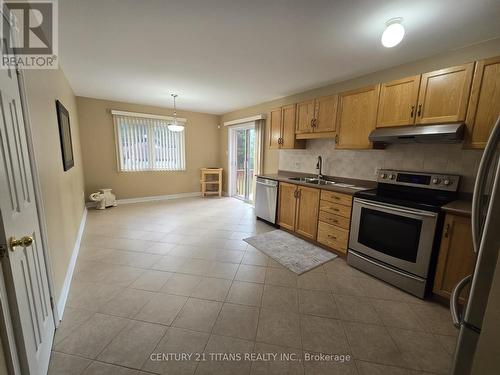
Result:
<point x="284" y="176"/>
<point x="460" y="207"/>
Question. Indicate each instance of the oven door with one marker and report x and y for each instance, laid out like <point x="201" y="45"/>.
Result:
<point x="400" y="236"/>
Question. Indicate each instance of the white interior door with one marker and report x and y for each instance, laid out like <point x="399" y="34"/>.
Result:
<point x="23" y="266"/>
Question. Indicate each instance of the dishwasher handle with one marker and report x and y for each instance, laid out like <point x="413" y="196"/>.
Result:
<point x="265" y="182"/>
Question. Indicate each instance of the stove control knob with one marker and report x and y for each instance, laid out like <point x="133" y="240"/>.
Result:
<point x="383" y="175"/>
<point x="392" y="177"/>
<point x="436" y="181"/>
<point x="447" y="182"/>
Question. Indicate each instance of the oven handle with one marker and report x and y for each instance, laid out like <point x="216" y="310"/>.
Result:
<point x="396" y="208"/>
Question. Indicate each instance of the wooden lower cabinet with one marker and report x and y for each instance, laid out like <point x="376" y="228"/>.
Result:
<point x="287" y="205"/>
<point x="319" y="215"/>
<point x="333" y="236"/>
<point x="298" y="209"/>
<point x="334" y="220"/>
<point x="456" y="257"/>
<point x="306" y="222"/>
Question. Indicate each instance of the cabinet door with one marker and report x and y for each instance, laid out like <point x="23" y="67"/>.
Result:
<point x="288" y="132"/>
<point x="484" y="104"/>
<point x="398" y="102"/>
<point x="287" y="205"/>
<point x="356" y="117"/>
<point x="325" y="114"/>
<point x="306" y="221"/>
<point x="444" y="95"/>
<point x="275" y="128"/>
<point x="456" y="254"/>
<point x="305" y="116"/>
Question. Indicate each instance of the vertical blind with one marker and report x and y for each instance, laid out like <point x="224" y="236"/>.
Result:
<point x="146" y="144"/>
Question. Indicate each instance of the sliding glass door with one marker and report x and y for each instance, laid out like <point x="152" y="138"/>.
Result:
<point x="242" y="163"/>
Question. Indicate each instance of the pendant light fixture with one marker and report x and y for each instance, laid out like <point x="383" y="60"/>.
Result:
<point x="174" y="126"/>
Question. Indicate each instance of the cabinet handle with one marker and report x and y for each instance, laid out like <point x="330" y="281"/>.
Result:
<point x="336" y="139"/>
<point x="412" y="113"/>
<point x="447" y="230"/>
<point x="419" y="112"/>
<point x="312" y="123"/>
<point x="332" y="237"/>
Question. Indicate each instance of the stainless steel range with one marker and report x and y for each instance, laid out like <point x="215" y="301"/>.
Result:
<point x="395" y="228"/>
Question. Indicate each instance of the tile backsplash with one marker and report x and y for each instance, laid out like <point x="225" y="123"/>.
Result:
<point x="363" y="164"/>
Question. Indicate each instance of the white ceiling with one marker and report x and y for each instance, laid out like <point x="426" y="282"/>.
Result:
<point x="221" y="55"/>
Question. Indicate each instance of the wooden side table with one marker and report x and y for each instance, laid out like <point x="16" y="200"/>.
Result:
<point x="211" y="178"/>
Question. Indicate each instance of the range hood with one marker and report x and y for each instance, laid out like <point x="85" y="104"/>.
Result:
<point x="441" y="133"/>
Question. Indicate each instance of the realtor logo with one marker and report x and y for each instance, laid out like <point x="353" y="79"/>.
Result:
<point x="29" y="34"/>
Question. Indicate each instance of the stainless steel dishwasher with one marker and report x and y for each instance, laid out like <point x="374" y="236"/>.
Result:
<point x="266" y="199"/>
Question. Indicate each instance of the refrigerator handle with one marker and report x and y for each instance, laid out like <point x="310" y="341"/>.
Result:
<point x="455" y="295"/>
<point x="489" y="153"/>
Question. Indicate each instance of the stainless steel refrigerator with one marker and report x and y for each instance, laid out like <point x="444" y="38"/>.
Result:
<point x="486" y="239"/>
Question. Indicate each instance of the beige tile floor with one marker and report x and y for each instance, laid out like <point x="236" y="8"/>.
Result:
<point x="176" y="277"/>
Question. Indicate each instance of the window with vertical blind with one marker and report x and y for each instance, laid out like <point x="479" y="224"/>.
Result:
<point x="145" y="144"/>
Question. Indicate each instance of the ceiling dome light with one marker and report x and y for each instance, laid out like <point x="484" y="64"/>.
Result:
<point x="393" y="33"/>
<point x="174" y="126"/>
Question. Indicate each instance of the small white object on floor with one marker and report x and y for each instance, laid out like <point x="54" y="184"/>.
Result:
<point x="104" y="198"/>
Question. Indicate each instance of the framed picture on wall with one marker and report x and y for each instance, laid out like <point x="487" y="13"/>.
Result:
<point x="65" y="136"/>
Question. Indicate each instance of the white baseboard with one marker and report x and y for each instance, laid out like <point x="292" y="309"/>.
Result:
<point x="61" y="303"/>
<point x="152" y="198"/>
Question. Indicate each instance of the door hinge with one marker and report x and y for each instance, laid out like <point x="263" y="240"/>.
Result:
<point x="52" y="303"/>
<point x="3" y="250"/>
<point x="18" y="71"/>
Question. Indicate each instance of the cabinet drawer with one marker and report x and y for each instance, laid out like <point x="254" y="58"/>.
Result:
<point x="332" y="236"/>
<point x="333" y="219"/>
<point x="335" y="208"/>
<point x="340" y="198"/>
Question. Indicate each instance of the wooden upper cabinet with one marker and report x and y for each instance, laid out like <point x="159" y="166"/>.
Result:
<point x="325" y="114"/>
<point x="287" y="205"/>
<point x="484" y="104"/>
<point x="398" y="102"/>
<point x="444" y="95"/>
<point x="306" y="220"/>
<point x="356" y="117"/>
<point x="456" y="257"/>
<point x="305" y="117"/>
<point x="282" y="128"/>
<point x="288" y="126"/>
<point x="275" y="128"/>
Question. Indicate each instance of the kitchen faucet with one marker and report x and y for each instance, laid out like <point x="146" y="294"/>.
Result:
<point x="318" y="167"/>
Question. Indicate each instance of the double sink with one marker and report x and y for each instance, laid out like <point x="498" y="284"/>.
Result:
<point x="318" y="181"/>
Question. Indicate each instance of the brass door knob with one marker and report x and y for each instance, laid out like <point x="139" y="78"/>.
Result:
<point x="23" y="242"/>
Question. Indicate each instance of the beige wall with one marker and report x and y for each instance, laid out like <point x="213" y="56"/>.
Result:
<point x="272" y="157"/>
<point x="62" y="192"/>
<point x="99" y="155"/>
